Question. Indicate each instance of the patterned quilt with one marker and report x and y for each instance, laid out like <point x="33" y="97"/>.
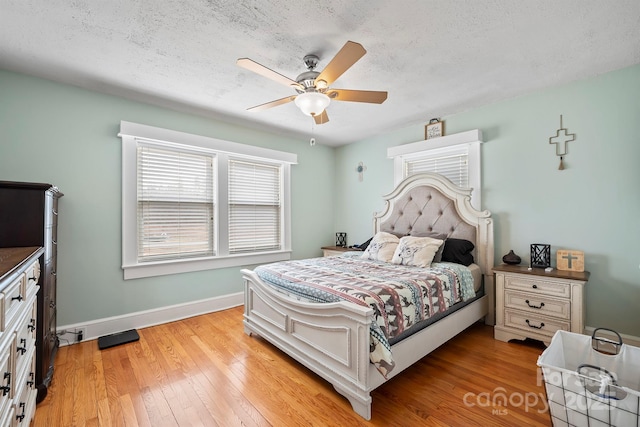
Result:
<point x="399" y="295"/>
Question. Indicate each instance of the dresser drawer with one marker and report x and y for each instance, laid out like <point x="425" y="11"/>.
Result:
<point x="25" y="403"/>
<point x="534" y="323"/>
<point x="6" y="376"/>
<point x="7" y="419"/>
<point x="25" y="343"/>
<point x="12" y="300"/>
<point x="538" y="285"/>
<point x="538" y="304"/>
<point x="33" y="274"/>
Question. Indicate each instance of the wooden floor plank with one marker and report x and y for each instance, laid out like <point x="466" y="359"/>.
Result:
<point x="206" y="371"/>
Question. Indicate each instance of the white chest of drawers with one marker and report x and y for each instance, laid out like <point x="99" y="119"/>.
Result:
<point x="535" y="303"/>
<point x="19" y="277"/>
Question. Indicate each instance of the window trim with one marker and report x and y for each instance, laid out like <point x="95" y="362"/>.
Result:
<point x="416" y="150"/>
<point x="129" y="133"/>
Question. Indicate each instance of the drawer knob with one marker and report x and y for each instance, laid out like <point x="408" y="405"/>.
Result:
<point x="31" y="383"/>
<point x="534" y="286"/>
<point x="534" y="326"/>
<point x="534" y="306"/>
<point x="22" y="350"/>
<point x="21" y="416"/>
<point x="6" y="388"/>
<point x="19" y="298"/>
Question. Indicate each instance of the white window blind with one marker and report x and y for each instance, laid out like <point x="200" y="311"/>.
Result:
<point x="175" y="204"/>
<point x="254" y="207"/>
<point x="453" y="163"/>
<point x="455" y="156"/>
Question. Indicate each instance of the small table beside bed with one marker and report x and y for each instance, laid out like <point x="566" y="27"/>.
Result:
<point x="360" y="318"/>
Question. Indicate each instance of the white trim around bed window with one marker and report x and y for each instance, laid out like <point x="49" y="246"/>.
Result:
<point x="186" y="204"/>
<point x="456" y="157"/>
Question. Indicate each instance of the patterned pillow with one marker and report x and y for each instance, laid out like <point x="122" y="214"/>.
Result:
<point x="382" y="247"/>
<point x="416" y="251"/>
<point x="434" y="235"/>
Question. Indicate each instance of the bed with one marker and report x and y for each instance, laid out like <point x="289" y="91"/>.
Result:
<point x="334" y="339"/>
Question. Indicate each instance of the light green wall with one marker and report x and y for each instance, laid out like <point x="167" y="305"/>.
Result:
<point x="68" y="137"/>
<point x="592" y="205"/>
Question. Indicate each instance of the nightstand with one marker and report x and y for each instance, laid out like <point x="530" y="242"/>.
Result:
<point x="336" y="250"/>
<point x="535" y="303"/>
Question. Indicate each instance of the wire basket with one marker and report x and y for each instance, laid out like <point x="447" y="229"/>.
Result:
<point x="591" y="380"/>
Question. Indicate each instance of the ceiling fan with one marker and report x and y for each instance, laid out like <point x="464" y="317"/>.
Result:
<point x="314" y="93"/>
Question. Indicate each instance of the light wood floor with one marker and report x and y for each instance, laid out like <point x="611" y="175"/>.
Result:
<point x="206" y="371"/>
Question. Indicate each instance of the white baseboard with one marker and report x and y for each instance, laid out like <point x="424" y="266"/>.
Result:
<point x="626" y="339"/>
<point x="96" y="328"/>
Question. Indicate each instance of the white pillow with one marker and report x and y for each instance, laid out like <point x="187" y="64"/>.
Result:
<point x="382" y="247"/>
<point x="416" y="251"/>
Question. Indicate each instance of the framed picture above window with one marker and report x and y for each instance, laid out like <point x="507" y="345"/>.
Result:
<point x="434" y="129"/>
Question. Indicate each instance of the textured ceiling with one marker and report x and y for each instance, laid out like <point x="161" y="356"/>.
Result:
<point x="435" y="58"/>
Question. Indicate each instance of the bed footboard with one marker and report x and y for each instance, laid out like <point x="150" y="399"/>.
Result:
<point x="330" y="339"/>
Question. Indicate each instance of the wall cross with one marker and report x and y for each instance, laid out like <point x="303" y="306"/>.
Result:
<point x="564" y="139"/>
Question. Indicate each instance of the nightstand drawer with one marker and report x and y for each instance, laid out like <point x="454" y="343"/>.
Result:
<point x="336" y="250"/>
<point x="540" y="305"/>
<point x="538" y="285"/>
<point x="530" y="322"/>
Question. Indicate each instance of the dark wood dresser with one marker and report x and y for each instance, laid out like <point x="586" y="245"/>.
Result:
<point x="29" y="217"/>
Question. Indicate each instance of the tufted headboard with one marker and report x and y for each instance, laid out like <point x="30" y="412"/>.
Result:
<point x="429" y="202"/>
<point x="424" y="208"/>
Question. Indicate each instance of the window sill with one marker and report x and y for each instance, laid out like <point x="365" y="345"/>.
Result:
<point x="161" y="268"/>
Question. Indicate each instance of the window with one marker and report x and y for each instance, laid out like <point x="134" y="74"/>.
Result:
<point x="193" y="203"/>
<point x="175" y="204"/>
<point x="451" y="162"/>
<point x="457" y="157"/>
<point x="254" y="207"/>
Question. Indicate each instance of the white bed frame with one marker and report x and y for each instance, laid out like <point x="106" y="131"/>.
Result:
<point x="332" y="339"/>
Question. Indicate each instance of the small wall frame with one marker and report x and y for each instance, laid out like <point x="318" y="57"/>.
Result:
<point x="540" y="255"/>
<point x="434" y="129"/>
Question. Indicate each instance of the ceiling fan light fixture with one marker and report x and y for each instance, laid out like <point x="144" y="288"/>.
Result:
<point x="312" y="103"/>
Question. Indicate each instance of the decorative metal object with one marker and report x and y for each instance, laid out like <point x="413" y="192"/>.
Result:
<point x="341" y="240"/>
<point x="511" y="258"/>
<point x="567" y="137"/>
<point x="360" y="169"/>
<point x="540" y="255"/>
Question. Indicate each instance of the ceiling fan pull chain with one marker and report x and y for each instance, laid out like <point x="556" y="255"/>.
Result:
<point x="312" y="141"/>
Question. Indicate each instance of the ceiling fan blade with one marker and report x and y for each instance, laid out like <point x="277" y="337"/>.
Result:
<point x="272" y="103"/>
<point x="371" y="96"/>
<point x="321" y="118"/>
<point x="267" y="72"/>
<point x="350" y="53"/>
